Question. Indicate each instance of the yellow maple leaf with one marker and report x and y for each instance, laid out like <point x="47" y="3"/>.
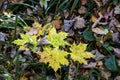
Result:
<point x="57" y="39"/>
<point x="79" y="54"/>
<point x="54" y="57"/>
<point x="25" y="38"/>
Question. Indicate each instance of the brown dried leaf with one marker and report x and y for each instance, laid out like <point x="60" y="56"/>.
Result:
<point x="117" y="78"/>
<point x="72" y="70"/>
<point x="80" y="23"/>
<point x="94" y="19"/>
<point x="44" y="41"/>
<point x="100" y="31"/>
<point x="115" y="37"/>
<point x="98" y="55"/>
<point x="90" y="65"/>
<point x="68" y="24"/>
<point x="2" y="36"/>
<point x="82" y="10"/>
<point x="57" y="23"/>
<point x="117" y="9"/>
<point x="117" y="52"/>
<point x="83" y="2"/>
<point x="105" y="74"/>
<point x="33" y="31"/>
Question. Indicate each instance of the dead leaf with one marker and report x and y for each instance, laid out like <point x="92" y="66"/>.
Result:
<point x="66" y="13"/>
<point x="118" y="25"/>
<point x="79" y="23"/>
<point x="99" y="63"/>
<point x="90" y="65"/>
<point x="33" y="31"/>
<point x="2" y="36"/>
<point x="100" y="31"/>
<point x="117" y="52"/>
<point x="117" y="9"/>
<point x="29" y="11"/>
<point x="71" y="32"/>
<point x="15" y="1"/>
<point x="105" y="74"/>
<point x="83" y="2"/>
<point x="113" y="23"/>
<point x="67" y="25"/>
<point x="115" y="37"/>
<point x="82" y="10"/>
<point x="118" y="62"/>
<point x="57" y="23"/>
<point x="72" y="70"/>
<point x="94" y="19"/>
<point x="44" y="41"/>
<point x="117" y="78"/>
<point x="28" y="52"/>
<point x="98" y="55"/>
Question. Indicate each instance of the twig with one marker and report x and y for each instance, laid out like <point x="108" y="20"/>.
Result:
<point x="97" y="21"/>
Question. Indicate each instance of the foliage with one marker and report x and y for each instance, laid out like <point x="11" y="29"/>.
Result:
<point x="79" y="54"/>
<point x="57" y="39"/>
<point x="54" y="57"/>
<point x="50" y="39"/>
<point x="25" y="41"/>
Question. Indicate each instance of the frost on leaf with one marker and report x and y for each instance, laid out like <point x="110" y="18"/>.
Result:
<point x="57" y="39"/>
<point x="54" y="57"/>
<point x="79" y="54"/>
<point x="26" y="39"/>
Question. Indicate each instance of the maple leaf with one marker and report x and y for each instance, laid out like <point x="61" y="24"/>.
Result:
<point x="25" y="38"/>
<point x="54" y="57"/>
<point x="57" y="39"/>
<point x="79" y="54"/>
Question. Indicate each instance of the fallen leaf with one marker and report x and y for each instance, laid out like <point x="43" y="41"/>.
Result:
<point x="82" y="10"/>
<point x="79" y="23"/>
<point x="27" y="52"/>
<point x="2" y="36"/>
<point x="44" y="41"/>
<point x="90" y="65"/>
<point x="117" y="52"/>
<point x="117" y="78"/>
<point x="105" y="74"/>
<point x="94" y="19"/>
<point x="98" y="56"/>
<point x="113" y="23"/>
<point x="117" y="10"/>
<point x="115" y="37"/>
<point x="99" y="63"/>
<point x="100" y="31"/>
<point x="66" y="13"/>
<point x="71" y="32"/>
<point x="33" y="31"/>
<point x="67" y="25"/>
<point x="88" y="35"/>
<point x="111" y="63"/>
<point x="83" y="2"/>
<point x="72" y="70"/>
<point x="57" y="23"/>
<point x="118" y="61"/>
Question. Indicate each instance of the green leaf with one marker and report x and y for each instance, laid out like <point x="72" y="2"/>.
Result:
<point x="115" y="2"/>
<point x="111" y="63"/>
<point x="88" y="35"/>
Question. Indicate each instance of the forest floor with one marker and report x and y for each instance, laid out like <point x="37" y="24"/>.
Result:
<point x="59" y="40"/>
